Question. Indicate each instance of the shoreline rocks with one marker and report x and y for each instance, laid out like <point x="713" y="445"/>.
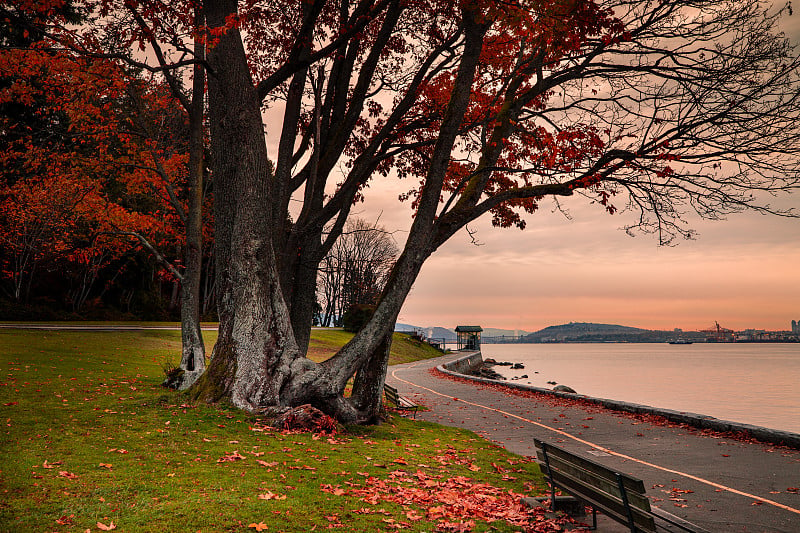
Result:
<point x="492" y="362"/>
<point x="564" y="388"/>
<point x="485" y="370"/>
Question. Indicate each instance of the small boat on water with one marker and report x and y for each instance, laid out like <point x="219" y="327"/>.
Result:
<point x="681" y="341"/>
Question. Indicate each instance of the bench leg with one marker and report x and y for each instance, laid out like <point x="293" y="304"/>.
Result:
<point x="550" y="475"/>
<point x="624" y="495"/>
<point x="593" y="527"/>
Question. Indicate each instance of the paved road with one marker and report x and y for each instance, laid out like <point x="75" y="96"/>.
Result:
<point x="55" y="326"/>
<point x="720" y="484"/>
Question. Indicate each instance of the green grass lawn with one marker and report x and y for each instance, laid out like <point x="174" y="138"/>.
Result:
<point x="90" y="438"/>
<point x="325" y="342"/>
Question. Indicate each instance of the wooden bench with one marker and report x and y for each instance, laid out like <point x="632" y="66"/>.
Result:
<point x="620" y="496"/>
<point x="399" y="402"/>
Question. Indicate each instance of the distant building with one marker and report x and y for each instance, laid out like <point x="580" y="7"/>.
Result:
<point x="796" y="327"/>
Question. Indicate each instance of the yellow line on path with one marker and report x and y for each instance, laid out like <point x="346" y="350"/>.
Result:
<point x="603" y="449"/>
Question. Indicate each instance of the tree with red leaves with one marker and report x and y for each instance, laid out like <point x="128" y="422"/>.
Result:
<point x="72" y="174"/>
<point x="656" y="109"/>
<point x="126" y="144"/>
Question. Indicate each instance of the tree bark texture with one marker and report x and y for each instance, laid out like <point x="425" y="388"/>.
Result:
<point x="255" y="350"/>
<point x="367" y="396"/>
<point x="299" y="270"/>
<point x="193" y="350"/>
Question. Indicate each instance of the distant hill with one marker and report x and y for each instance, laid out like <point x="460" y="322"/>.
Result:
<point x="435" y="332"/>
<point x="574" y="329"/>
<point x="589" y="332"/>
<point x="495" y="332"/>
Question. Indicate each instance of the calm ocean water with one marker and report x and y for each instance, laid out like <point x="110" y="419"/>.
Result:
<point x="751" y="383"/>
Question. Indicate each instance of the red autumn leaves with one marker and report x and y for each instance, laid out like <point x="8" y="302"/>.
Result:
<point x="234" y="456"/>
<point x="80" y="176"/>
<point x="454" y="503"/>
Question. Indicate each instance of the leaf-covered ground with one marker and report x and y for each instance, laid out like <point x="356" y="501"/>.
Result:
<point x="91" y="442"/>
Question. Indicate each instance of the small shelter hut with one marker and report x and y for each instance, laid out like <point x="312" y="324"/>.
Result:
<point x="468" y="337"/>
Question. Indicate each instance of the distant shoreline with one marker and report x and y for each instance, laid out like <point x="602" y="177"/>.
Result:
<point x="590" y="332"/>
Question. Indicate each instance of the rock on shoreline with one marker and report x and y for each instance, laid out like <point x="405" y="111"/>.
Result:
<point x="485" y="370"/>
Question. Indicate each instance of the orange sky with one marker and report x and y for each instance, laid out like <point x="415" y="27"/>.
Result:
<point x="743" y="272"/>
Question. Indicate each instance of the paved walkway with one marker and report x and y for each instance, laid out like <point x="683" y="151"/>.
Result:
<point x="720" y="484"/>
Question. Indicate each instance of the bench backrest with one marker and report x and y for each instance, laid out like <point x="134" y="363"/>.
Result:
<point x="391" y="394"/>
<point x="619" y="495"/>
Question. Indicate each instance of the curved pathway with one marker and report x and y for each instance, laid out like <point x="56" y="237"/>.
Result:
<point x="720" y="484"/>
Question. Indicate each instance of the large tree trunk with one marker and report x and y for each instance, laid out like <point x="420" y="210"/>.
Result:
<point x="255" y="349"/>
<point x="193" y="350"/>
<point x="367" y="396"/>
<point x="299" y="272"/>
<point x="256" y="363"/>
<point x="303" y="248"/>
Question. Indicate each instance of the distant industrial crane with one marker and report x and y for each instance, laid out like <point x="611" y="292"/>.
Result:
<point x="718" y="333"/>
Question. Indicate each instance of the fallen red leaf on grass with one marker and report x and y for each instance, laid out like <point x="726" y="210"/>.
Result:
<point x="271" y="496"/>
<point x="333" y="521"/>
<point x="456" y="527"/>
<point x="234" y="456"/>
<point x="413" y="516"/>
<point x="68" y="475"/>
<point x="108" y="527"/>
<point x="65" y="520"/>
<point x="261" y="526"/>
